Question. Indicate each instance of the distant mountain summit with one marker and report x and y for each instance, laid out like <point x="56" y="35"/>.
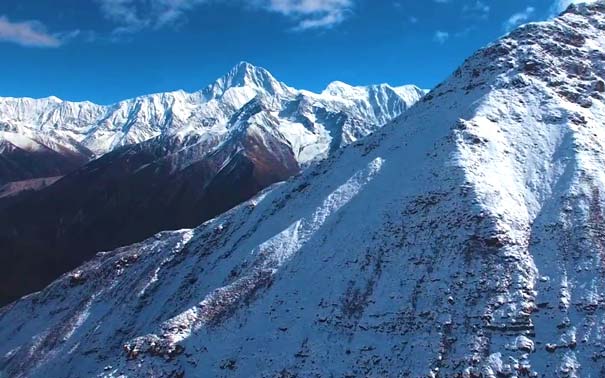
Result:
<point x="248" y="76"/>
<point x="158" y="162"/>
<point x="465" y="239"/>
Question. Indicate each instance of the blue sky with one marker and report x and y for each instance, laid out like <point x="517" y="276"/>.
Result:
<point x="108" y="50"/>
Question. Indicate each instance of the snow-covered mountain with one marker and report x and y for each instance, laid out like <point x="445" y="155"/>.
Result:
<point x="465" y="240"/>
<point x="90" y="130"/>
<point x="199" y="155"/>
<point x="104" y="128"/>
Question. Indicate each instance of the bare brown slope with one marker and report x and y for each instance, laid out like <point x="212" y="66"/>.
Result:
<point x="17" y="164"/>
<point x="127" y="196"/>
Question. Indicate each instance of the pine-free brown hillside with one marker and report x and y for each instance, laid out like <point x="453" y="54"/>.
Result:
<point x="124" y="197"/>
<point x="19" y="164"/>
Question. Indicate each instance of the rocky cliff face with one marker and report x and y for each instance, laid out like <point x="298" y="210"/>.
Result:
<point x="466" y="240"/>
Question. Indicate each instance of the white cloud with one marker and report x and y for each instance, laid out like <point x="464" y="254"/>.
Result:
<point x="518" y="18"/>
<point x="27" y="33"/>
<point x="477" y="9"/>
<point x="311" y="14"/>
<point x="441" y="36"/>
<point x="135" y="15"/>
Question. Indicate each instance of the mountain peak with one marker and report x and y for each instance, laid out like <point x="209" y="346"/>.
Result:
<point x="244" y="70"/>
<point x="586" y="8"/>
<point x="248" y="75"/>
<point x="246" y="66"/>
<point x="337" y="87"/>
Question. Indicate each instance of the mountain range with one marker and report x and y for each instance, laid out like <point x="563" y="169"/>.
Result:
<point x="66" y="131"/>
<point x="463" y="239"/>
<point x="160" y="162"/>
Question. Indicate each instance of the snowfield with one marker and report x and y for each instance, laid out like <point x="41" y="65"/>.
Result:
<point x="466" y="239"/>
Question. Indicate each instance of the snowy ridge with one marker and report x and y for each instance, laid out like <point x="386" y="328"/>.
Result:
<point x="465" y="240"/>
<point x="101" y="129"/>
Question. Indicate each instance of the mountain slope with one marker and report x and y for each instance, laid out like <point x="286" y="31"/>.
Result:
<point x="188" y="174"/>
<point x="464" y="241"/>
<point x="22" y="158"/>
<point x="128" y="195"/>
